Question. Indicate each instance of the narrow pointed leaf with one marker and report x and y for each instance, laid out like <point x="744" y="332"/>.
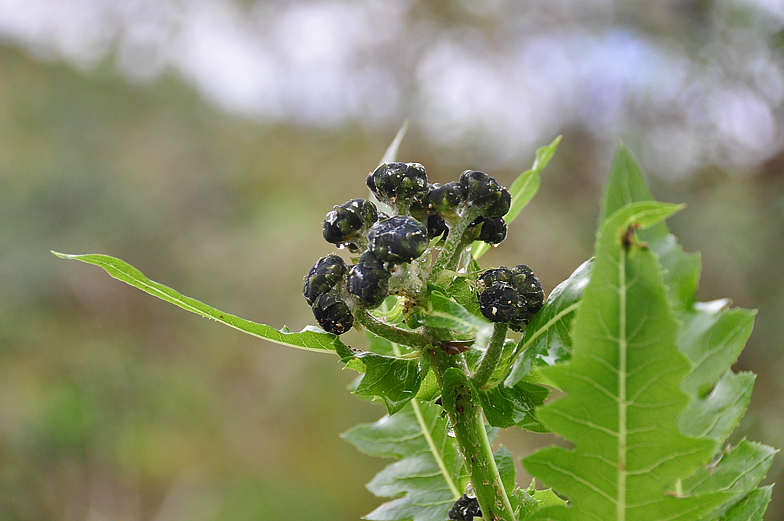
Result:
<point x="310" y="338"/>
<point x="623" y="392"/>
<point x="626" y="185"/>
<point x="522" y="190"/>
<point x="391" y="154"/>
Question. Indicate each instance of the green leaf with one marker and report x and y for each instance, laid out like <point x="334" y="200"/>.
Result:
<point x="310" y="338"/>
<point x="396" y="381"/>
<point x="448" y="314"/>
<point x="382" y="346"/>
<point x="626" y="185"/>
<point x="548" y="338"/>
<point x="507" y="406"/>
<point x="548" y="498"/>
<point x="737" y="471"/>
<point x="465" y="294"/>
<point x="623" y="392"/>
<point x="752" y="507"/>
<point x="504" y="460"/>
<point x="430" y="474"/>
<point x="391" y="154"/>
<point x="429" y="390"/>
<point x="523" y="189"/>
<point x="712" y="336"/>
<point x="527" y="501"/>
<point x="716" y="415"/>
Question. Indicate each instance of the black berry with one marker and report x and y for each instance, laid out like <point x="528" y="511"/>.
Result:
<point x="398" y="183"/>
<point x="529" y="287"/>
<point x="398" y="239"/>
<point x="332" y="313"/>
<point x="446" y="199"/>
<point x="368" y="280"/>
<point x="323" y="276"/>
<point x="502" y="303"/>
<point x="465" y="509"/>
<point x="493" y="275"/>
<point x="493" y="230"/>
<point x="347" y="221"/>
<point x="484" y="192"/>
<point x="436" y="226"/>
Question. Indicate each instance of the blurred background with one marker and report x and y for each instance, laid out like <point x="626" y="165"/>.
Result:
<point x="203" y="141"/>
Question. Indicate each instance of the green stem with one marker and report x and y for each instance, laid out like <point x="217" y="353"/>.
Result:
<point x="390" y="332"/>
<point x="465" y="415"/>
<point x="492" y="355"/>
<point x="454" y="241"/>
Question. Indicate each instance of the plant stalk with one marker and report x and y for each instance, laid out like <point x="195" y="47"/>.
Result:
<point x="454" y="241"/>
<point x="393" y="334"/>
<point x="465" y="415"/>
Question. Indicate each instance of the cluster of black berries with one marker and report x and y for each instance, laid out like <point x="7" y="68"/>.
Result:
<point x="322" y="292"/>
<point x="443" y="205"/>
<point x="421" y="211"/>
<point x="465" y="509"/>
<point x="386" y="241"/>
<point x="510" y="296"/>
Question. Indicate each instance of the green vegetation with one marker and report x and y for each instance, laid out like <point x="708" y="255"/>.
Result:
<point x="649" y="396"/>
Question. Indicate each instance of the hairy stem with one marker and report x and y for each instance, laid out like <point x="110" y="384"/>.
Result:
<point x="465" y="415"/>
<point x="492" y="355"/>
<point x="390" y="332"/>
<point x="454" y="241"/>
